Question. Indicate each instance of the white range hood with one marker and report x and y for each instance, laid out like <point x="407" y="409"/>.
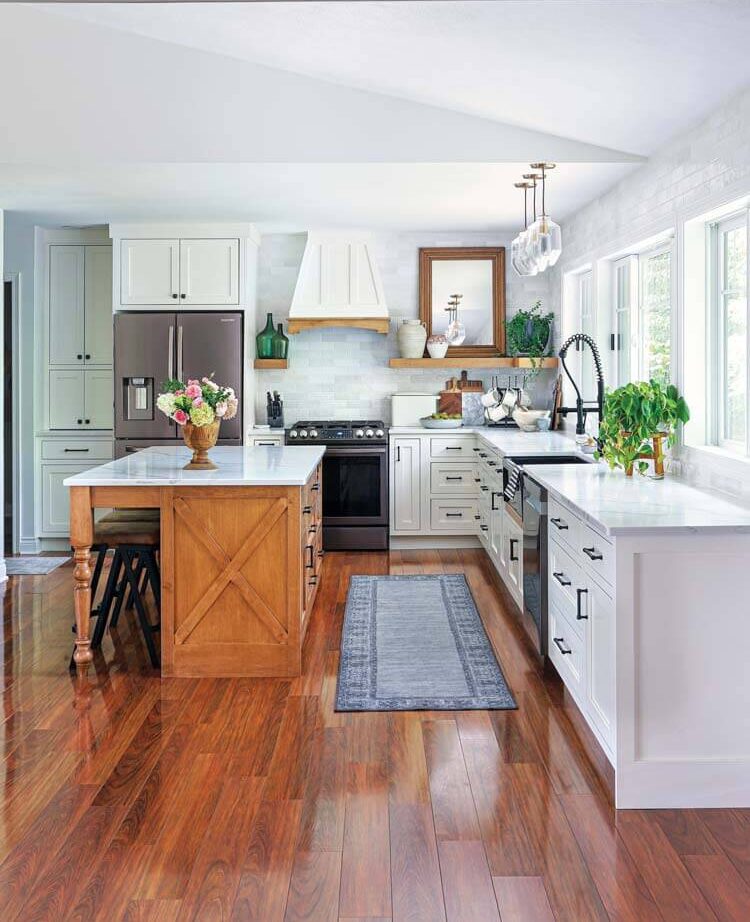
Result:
<point x="338" y="285"/>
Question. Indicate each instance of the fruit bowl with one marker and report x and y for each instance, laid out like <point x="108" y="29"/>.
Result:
<point x="526" y="419"/>
<point x="432" y="422"/>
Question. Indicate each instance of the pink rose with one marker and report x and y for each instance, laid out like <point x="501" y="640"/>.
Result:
<point x="179" y="393"/>
<point x="193" y="381"/>
<point x="193" y="390"/>
<point x="180" y="417"/>
<point x="197" y="401"/>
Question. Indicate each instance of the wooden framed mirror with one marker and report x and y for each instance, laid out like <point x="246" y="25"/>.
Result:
<point x="477" y="275"/>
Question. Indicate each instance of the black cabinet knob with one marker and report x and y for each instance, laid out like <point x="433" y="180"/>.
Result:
<point x="88" y="356"/>
<point x="79" y="356"/>
<point x="79" y="421"/>
<point x="175" y="296"/>
<point x="88" y="421"/>
<point x="183" y="296"/>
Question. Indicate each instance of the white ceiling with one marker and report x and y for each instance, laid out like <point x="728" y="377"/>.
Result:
<point x="406" y="115"/>
<point x="625" y="74"/>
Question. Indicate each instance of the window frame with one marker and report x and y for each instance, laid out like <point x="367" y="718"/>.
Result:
<point x="664" y="247"/>
<point x="716" y="338"/>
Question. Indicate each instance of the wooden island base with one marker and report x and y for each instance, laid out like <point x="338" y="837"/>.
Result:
<point x="240" y="567"/>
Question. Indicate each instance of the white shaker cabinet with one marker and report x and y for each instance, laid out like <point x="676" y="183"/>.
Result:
<point x="66" y="304"/>
<point x="600" y="656"/>
<point x="97" y="325"/>
<point x="80" y="398"/>
<point x="513" y="554"/>
<point x="209" y="271"/>
<point x="405" y="484"/>
<point x="160" y="272"/>
<point x="149" y="272"/>
<point x="98" y="399"/>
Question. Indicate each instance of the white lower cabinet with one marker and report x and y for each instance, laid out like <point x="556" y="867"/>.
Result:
<point x="497" y="529"/>
<point x="581" y="642"/>
<point x="600" y="656"/>
<point x="405" y="487"/>
<point x="513" y="553"/>
<point x="456" y="516"/>
<point x="60" y="458"/>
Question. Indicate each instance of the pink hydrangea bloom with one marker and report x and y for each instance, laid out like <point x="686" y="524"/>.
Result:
<point x="193" y="390"/>
<point x="197" y="401"/>
<point x="180" y="417"/>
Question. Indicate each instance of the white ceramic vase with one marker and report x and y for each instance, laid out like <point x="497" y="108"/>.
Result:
<point x="411" y="339"/>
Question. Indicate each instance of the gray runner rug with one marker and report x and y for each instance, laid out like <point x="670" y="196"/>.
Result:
<point x="33" y="566"/>
<point x="415" y="643"/>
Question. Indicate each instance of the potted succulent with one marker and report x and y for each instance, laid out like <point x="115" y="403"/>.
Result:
<point x="529" y="333"/>
<point x="198" y="407"/>
<point x="637" y="420"/>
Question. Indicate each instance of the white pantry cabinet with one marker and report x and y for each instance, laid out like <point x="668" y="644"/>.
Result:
<point x="80" y="398"/>
<point x="158" y="273"/>
<point x="79" y="328"/>
<point x="405" y="491"/>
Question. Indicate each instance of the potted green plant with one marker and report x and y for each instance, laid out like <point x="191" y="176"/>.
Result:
<point x="637" y="419"/>
<point x="528" y="333"/>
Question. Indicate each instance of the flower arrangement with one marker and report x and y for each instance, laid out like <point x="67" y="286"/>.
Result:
<point x="198" y="402"/>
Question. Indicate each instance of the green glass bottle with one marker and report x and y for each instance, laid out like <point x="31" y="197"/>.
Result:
<point x="264" y="339"/>
<point x="280" y="343"/>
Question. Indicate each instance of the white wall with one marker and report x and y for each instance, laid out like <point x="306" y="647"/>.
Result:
<point x="699" y="170"/>
<point x="339" y="373"/>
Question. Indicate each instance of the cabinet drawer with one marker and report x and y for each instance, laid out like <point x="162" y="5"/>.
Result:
<point x="268" y="439"/>
<point x="77" y="450"/>
<point x="566" y="650"/>
<point x="563" y="525"/>
<point x="564" y="581"/>
<point x="597" y="554"/>
<point x="453" y="515"/>
<point x="452" y="478"/>
<point x="453" y="448"/>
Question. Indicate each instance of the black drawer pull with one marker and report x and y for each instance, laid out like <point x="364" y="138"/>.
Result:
<point x="477" y="517"/>
<point x="310" y="565"/>
<point x="475" y="449"/>
<point x="454" y="515"/>
<point x="560" y="647"/>
<point x="559" y="524"/>
<point x="483" y="487"/>
<point x="453" y="448"/>
<point x="482" y="454"/>
<point x="492" y="463"/>
<point x="513" y="542"/>
<point x="592" y="553"/>
<point x="579" y="595"/>
<point x="75" y="449"/>
<point x="494" y="507"/>
<point x="484" y="527"/>
<point x="477" y="480"/>
<point x="559" y="577"/>
<point x="267" y="443"/>
<point x="454" y="478"/>
<point x="306" y="510"/>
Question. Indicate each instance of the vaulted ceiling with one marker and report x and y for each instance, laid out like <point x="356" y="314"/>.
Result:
<point x="401" y="114"/>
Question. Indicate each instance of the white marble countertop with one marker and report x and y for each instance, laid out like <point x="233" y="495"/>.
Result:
<point x="621" y="505"/>
<point x="507" y="441"/>
<point x="258" y="466"/>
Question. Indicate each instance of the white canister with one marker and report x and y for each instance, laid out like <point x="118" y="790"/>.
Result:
<point x="411" y="339"/>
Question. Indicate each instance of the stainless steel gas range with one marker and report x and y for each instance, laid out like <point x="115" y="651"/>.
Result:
<point x="355" y="480"/>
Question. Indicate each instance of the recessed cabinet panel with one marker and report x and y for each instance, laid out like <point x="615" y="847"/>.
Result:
<point x="98" y="399"/>
<point x="66" y="304"/>
<point x="452" y="479"/>
<point x="150" y="272"/>
<point x="66" y="399"/>
<point x="405" y="490"/>
<point x="56" y="498"/>
<point x="496" y="523"/>
<point x="209" y="272"/>
<point x="600" y="679"/>
<point x="98" y="306"/>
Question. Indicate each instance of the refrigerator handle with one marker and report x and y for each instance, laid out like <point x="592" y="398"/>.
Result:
<point x="170" y="353"/>
<point x="179" y="352"/>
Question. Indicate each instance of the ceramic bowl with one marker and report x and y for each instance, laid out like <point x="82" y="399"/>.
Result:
<point x="437" y="350"/>
<point x="429" y="423"/>
<point x="527" y="419"/>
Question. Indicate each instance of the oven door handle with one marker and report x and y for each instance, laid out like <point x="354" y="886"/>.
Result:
<point x="355" y="451"/>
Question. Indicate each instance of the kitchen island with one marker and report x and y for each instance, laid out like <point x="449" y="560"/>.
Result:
<point x="240" y="553"/>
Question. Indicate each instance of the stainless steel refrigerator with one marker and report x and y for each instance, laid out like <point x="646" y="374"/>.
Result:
<point x="152" y="346"/>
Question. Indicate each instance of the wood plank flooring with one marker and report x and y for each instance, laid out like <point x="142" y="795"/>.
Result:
<point x="251" y="799"/>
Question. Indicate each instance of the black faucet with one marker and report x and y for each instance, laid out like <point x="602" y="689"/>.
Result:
<point x="580" y="409"/>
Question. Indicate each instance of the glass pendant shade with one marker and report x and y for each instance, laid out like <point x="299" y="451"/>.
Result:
<point x="555" y="242"/>
<point x="519" y="257"/>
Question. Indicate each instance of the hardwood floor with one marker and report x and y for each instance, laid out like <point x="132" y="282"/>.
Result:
<point x="251" y="799"/>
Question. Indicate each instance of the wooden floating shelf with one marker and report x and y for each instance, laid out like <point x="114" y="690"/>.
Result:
<point x="271" y="363"/>
<point x="503" y="361"/>
<point x="377" y="324"/>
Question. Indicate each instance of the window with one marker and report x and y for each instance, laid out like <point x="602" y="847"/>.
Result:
<point x="642" y="300"/>
<point x="587" y="318"/>
<point x="729" y="240"/>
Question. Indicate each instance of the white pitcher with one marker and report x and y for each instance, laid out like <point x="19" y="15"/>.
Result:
<point x="412" y="337"/>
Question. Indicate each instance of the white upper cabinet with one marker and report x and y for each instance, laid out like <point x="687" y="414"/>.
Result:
<point x="98" y="306"/>
<point x="158" y="273"/>
<point x="209" y="271"/>
<point x="66" y="304"/>
<point x="149" y="272"/>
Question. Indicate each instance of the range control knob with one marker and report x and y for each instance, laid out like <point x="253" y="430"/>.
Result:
<point x="303" y="433"/>
<point x="313" y="433"/>
<point x="292" y="433"/>
<point x="369" y="433"/>
<point x="359" y="433"/>
<point x="379" y="433"/>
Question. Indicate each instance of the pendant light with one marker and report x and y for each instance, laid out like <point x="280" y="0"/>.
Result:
<point x="518" y="256"/>
<point x="533" y="249"/>
<point x="548" y="233"/>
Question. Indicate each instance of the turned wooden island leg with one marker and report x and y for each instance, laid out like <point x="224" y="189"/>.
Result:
<point x="81" y="538"/>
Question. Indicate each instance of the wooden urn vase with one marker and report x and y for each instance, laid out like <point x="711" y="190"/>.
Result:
<point x="199" y="439"/>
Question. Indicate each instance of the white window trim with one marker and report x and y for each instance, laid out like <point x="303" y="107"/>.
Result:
<point x="715" y="337"/>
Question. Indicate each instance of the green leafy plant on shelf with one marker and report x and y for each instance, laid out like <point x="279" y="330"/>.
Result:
<point x="637" y="419"/>
<point x="529" y="334"/>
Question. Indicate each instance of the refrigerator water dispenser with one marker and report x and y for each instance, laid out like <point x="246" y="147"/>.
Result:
<point x="139" y="398"/>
